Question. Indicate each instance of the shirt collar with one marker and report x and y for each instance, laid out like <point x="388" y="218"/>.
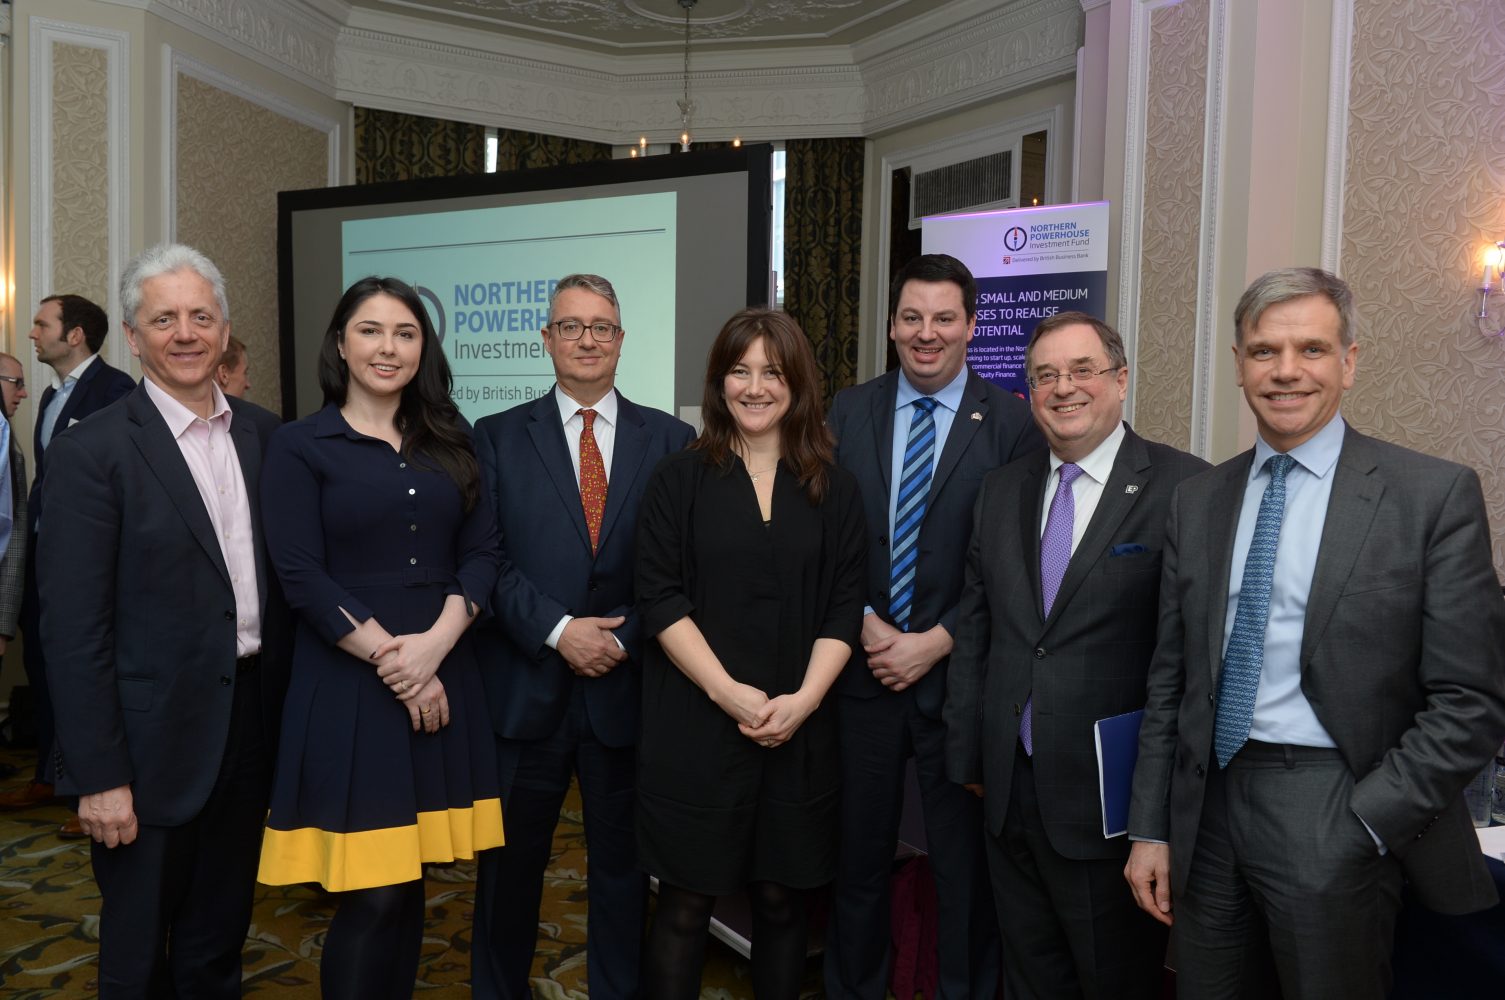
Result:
<point x="1097" y="463"/>
<point x="179" y="417"/>
<point x="605" y="407"/>
<point x="949" y="395"/>
<point x="78" y="369"/>
<point x="1317" y="454"/>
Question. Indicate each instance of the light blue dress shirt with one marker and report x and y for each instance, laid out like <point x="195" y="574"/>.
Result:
<point x="1281" y="712"/>
<point x="55" y="406"/>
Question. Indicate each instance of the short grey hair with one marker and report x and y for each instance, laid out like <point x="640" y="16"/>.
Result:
<point x="165" y="258"/>
<point x="1274" y="287"/>
<point x="591" y="283"/>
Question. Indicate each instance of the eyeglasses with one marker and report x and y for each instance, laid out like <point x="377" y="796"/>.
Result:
<point x="19" y="383"/>
<point x="1077" y="376"/>
<point x="573" y="329"/>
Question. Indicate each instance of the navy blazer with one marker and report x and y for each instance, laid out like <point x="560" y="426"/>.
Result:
<point x="138" y="612"/>
<point x="98" y="387"/>
<point x="548" y="570"/>
<point x="992" y="428"/>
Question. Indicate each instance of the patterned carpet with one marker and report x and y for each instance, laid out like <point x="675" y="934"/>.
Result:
<point x="49" y="923"/>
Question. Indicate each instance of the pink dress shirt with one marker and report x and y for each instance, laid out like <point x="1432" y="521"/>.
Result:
<point x="215" y="466"/>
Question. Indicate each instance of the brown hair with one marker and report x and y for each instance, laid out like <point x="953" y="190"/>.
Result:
<point x="808" y="446"/>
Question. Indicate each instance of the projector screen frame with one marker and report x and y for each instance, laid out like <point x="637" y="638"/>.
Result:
<point x="754" y="160"/>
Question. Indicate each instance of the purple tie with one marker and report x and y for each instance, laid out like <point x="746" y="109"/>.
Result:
<point x="1055" y="553"/>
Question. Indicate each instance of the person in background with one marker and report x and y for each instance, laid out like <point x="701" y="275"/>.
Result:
<point x="1056" y="628"/>
<point x="162" y="635"/>
<point x="13" y="563"/>
<point x="233" y="373"/>
<point x="919" y="441"/>
<point x="749" y="576"/>
<point x="562" y="652"/>
<point x="379" y="529"/>
<point x="67" y="331"/>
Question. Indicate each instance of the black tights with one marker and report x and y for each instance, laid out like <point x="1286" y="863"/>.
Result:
<point x="681" y="924"/>
<point x="372" y="945"/>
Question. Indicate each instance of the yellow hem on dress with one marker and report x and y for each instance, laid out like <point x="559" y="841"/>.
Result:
<point x="367" y="858"/>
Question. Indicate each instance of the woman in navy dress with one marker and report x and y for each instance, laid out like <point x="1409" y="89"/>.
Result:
<point x="750" y="569"/>
<point x="375" y="525"/>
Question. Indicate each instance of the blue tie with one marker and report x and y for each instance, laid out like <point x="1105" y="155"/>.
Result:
<point x="914" y="491"/>
<point x="1245" y="657"/>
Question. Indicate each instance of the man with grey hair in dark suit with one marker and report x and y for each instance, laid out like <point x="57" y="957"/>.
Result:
<point x="1329" y="673"/>
<point x="13" y="564"/>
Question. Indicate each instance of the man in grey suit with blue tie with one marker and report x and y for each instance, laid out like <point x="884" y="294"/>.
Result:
<point x="1329" y="673"/>
<point x="565" y="473"/>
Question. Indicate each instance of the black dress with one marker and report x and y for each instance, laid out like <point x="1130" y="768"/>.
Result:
<point x="715" y="809"/>
<point x="359" y="799"/>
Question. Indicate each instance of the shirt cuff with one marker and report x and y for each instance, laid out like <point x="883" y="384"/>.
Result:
<point x="553" y="639"/>
<point x="1146" y="840"/>
<point x="1377" y="841"/>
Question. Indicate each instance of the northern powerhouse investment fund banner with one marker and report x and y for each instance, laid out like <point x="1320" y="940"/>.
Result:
<point x="486" y="276"/>
<point x="1030" y="263"/>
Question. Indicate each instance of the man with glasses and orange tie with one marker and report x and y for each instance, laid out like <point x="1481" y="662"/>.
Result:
<point x="561" y="652"/>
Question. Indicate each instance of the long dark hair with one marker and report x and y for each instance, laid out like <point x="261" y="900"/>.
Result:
<point x="806" y="441"/>
<point x="427" y="418"/>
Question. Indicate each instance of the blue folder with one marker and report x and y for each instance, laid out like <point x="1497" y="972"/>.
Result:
<point x="1117" y="750"/>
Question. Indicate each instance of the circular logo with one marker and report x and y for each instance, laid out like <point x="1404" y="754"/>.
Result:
<point x="1015" y="238"/>
<point x="436" y="310"/>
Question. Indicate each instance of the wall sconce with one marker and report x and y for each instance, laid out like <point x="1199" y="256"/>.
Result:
<point x="1494" y="277"/>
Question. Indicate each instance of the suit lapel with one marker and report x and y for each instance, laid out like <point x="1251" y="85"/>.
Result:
<point x="554" y="454"/>
<point x="165" y="460"/>
<point x="628" y="450"/>
<point x="1031" y="498"/>
<point x="247" y="441"/>
<point x="76" y="397"/>
<point x="1227" y="495"/>
<point x="1350" y="512"/>
<point x="970" y="416"/>
<point x="883" y="403"/>
<point x="36" y="431"/>
<point x="1125" y="485"/>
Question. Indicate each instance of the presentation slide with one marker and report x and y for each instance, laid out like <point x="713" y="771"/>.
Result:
<point x="684" y="239"/>
<point x="486" y="276"/>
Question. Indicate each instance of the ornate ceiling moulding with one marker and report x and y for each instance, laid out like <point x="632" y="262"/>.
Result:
<point x="953" y="55"/>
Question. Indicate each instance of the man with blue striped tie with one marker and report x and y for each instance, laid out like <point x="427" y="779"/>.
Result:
<point x="919" y="439"/>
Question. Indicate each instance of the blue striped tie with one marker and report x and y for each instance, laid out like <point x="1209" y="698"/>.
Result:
<point x="1245" y="657"/>
<point x="909" y="515"/>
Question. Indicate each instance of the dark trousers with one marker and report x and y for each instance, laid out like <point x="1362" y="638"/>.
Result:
<point x="36" y="667"/>
<point x="1070" y="927"/>
<point x="535" y="776"/>
<point x="877" y="736"/>
<point x="175" y="903"/>
<point x="1285" y="874"/>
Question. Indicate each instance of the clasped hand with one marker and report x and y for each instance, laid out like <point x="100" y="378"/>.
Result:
<point x="588" y="646"/>
<point x="405" y="663"/>
<point x="769" y="722"/>
<point x="899" y="659"/>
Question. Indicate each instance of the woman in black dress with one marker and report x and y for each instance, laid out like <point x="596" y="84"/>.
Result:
<point x="375" y="524"/>
<point x="750" y="570"/>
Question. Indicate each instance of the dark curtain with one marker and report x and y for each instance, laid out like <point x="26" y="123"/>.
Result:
<point x="823" y="250"/>
<point x="525" y="150"/>
<point x="392" y="146"/>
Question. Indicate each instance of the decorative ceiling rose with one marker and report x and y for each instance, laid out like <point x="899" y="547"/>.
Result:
<point x="668" y="12"/>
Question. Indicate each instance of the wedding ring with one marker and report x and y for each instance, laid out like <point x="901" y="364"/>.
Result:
<point x="423" y="711"/>
<point x="402" y="686"/>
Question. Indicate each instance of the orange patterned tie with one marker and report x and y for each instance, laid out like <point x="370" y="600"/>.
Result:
<point x="592" y="478"/>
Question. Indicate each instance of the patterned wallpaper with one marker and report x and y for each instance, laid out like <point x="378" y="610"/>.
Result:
<point x="1175" y="119"/>
<point x="233" y="157"/>
<point x="1423" y="190"/>
<point x="80" y="150"/>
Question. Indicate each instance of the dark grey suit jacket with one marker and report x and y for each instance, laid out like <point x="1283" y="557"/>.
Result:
<point x="992" y="428"/>
<point x="1402" y="658"/>
<point x="1085" y="662"/>
<point x="138" y="612"/>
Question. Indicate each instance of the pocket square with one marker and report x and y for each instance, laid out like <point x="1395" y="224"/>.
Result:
<point x="74" y="420"/>
<point x="1126" y="549"/>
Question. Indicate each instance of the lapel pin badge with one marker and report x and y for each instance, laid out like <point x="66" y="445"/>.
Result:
<point x="1131" y="488"/>
<point x="976" y="415"/>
